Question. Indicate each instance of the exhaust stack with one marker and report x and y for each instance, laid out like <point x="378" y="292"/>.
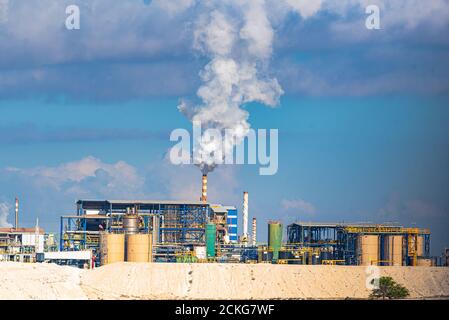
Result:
<point x="254" y="237"/>
<point x="245" y="217"/>
<point x="16" y="226"/>
<point x="204" y="189"/>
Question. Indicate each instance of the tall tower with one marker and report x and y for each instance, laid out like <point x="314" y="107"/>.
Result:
<point x="16" y="225"/>
<point x="204" y="189"/>
<point x="245" y="217"/>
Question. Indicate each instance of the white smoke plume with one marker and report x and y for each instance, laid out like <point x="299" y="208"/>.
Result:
<point x="4" y="211"/>
<point x="237" y="37"/>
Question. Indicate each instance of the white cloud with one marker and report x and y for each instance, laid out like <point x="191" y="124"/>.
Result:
<point x="92" y="178"/>
<point x="306" y="8"/>
<point x="88" y="176"/>
<point x="395" y="14"/>
<point x="298" y="206"/>
<point x="4" y="8"/>
<point x="174" y="7"/>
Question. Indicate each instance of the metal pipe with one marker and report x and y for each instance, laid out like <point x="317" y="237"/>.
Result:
<point x="245" y="216"/>
<point x="17" y="214"/>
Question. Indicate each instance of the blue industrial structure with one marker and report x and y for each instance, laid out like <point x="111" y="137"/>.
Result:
<point x="178" y="229"/>
<point x="174" y="221"/>
<point x="176" y="225"/>
<point x="339" y="241"/>
<point x="232" y="224"/>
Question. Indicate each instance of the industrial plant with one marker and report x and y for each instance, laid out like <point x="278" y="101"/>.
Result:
<point x="107" y="231"/>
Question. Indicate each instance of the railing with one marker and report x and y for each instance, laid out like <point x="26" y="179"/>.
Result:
<point x="382" y="229"/>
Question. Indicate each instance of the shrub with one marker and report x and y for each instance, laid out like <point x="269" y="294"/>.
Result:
<point x="388" y="288"/>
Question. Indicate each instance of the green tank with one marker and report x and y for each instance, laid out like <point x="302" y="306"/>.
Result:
<point x="211" y="230"/>
<point x="275" y="239"/>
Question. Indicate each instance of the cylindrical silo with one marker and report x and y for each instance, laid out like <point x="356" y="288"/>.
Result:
<point x="393" y="250"/>
<point x="211" y="231"/>
<point x="275" y="238"/>
<point x="369" y="249"/>
<point x="112" y="248"/>
<point x="131" y="224"/>
<point x="420" y="246"/>
<point x="138" y="247"/>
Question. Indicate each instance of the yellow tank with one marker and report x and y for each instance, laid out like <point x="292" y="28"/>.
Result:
<point x="420" y="246"/>
<point x="393" y="250"/>
<point x="139" y="248"/>
<point x="369" y="249"/>
<point x="112" y="248"/>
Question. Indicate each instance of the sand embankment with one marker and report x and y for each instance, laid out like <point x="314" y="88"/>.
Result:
<point x="210" y="281"/>
<point x="39" y="281"/>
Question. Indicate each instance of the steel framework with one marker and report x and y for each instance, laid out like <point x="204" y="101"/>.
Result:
<point x="175" y="222"/>
<point x="338" y="241"/>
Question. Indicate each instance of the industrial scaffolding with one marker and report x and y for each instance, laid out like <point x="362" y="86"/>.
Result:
<point x="173" y="223"/>
<point x="334" y="243"/>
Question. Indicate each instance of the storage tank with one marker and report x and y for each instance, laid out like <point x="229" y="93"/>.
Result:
<point x="211" y="231"/>
<point x="112" y="248"/>
<point x="393" y="250"/>
<point x="131" y="224"/>
<point x="275" y="238"/>
<point x="368" y="249"/>
<point x="420" y="246"/>
<point x="139" y="247"/>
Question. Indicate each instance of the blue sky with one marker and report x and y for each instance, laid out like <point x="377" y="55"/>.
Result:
<point x="363" y="132"/>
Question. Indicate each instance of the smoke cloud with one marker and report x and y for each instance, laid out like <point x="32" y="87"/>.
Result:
<point x="4" y="212"/>
<point x="237" y="37"/>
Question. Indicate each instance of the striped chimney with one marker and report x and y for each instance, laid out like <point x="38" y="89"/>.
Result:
<point x="204" y="189"/>
<point x="245" y="215"/>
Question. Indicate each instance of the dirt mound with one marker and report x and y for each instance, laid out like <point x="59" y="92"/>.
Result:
<point x="209" y="281"/>
<point x="258" y="281"/>
<point x="39" y="281"/>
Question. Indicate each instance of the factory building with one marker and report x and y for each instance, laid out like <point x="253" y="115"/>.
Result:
<point x="358" y="244"/>
<point x="230" y="214"/>
<point x="176" y="227"/>
<point x="21" y="244"/>
<point x="189" y="231"/>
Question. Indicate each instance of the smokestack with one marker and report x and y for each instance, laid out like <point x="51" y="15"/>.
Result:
<point x="17" y="214"/>
<point x="254" y="238"/>
<point x="204" y="189"/>
<point x="245" y="216"/>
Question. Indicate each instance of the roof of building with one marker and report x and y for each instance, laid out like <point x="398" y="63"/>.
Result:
<point x="218" y="209"/>
<point x="134" y="202"/>
<point x="21" y="230"/>
<point x="342" y="224"/>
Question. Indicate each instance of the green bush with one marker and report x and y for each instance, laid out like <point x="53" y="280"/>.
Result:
<point x="388" y="288"/>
